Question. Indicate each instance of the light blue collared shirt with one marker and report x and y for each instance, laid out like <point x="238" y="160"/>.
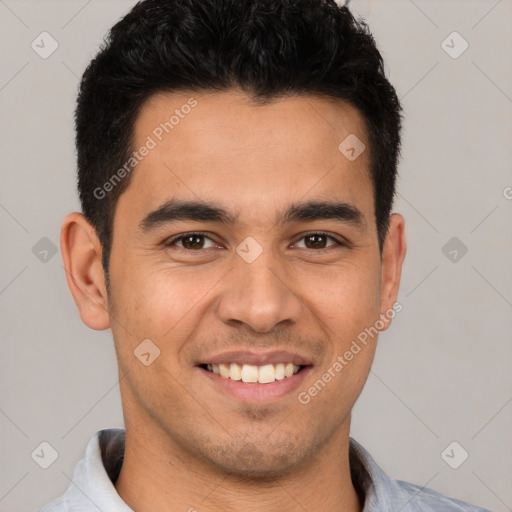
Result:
<point x="92" y="487"/>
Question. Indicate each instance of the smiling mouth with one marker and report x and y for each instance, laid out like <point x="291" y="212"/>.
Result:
<point x="249" y="373"/>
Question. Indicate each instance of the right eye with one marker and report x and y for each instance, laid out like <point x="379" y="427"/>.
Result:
<point x="193" y="241"/>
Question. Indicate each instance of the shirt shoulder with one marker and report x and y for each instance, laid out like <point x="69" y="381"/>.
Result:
<point x="381" y="492"/>
<point x="425" y="499"/>
<point x="92" y="486"/>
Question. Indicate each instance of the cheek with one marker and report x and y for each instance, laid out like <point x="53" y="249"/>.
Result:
<point x="346" y="298"/>
<point x="160" y="303"/>
<point x="347" y="303"/>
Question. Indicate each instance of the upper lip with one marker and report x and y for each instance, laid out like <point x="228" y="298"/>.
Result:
<point x="257" y="358"/>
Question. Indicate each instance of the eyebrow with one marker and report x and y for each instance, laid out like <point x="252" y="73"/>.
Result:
<point x="310" y="211"/>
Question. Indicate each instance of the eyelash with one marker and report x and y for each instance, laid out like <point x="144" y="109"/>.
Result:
<point x="338" y="242"/>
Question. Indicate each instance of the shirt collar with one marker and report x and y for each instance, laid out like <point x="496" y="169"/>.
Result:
<point x="92" y="482"/>
<point x="98" y="469"/>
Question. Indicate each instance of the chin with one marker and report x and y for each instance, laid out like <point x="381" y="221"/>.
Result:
<point x="258" y="460"/>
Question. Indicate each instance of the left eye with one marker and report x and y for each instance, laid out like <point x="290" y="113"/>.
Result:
<point x="314" y="240"/>
<point x="196" y="241"/>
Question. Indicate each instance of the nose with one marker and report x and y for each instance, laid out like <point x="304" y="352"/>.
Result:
<point x="258" y="294"/>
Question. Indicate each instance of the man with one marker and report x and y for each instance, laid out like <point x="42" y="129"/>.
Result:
<point x="236" y="168"/>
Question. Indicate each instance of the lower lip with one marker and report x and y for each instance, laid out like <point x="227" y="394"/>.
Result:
<point x="253" y="391"/>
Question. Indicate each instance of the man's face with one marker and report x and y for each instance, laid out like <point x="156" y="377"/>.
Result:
<point x="259" y="288"/>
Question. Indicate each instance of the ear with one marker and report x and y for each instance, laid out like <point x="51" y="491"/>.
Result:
<point x="393" y="254"/>
<point x="81" y="253"/>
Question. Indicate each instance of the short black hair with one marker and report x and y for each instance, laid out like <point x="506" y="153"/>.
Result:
<point x="268" y="48"/>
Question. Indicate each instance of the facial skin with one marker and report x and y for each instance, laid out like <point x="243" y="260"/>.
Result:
<point x="189" y="443"/>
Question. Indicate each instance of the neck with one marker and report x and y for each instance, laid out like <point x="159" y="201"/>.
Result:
<point x="158" y="474"/>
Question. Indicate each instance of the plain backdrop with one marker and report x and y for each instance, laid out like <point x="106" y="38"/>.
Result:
<point x="442" y="371"/>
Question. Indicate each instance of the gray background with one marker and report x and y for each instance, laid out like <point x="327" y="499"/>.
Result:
<point x="442" y="372"/>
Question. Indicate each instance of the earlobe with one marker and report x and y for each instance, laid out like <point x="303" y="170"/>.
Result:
<point x="81" y="254"/>
<point x="393" y="255"/>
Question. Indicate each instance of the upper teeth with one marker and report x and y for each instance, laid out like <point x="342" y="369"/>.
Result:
<point x="250" y="373"/>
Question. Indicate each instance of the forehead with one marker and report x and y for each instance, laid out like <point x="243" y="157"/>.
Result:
<point x="226" y="148"/>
